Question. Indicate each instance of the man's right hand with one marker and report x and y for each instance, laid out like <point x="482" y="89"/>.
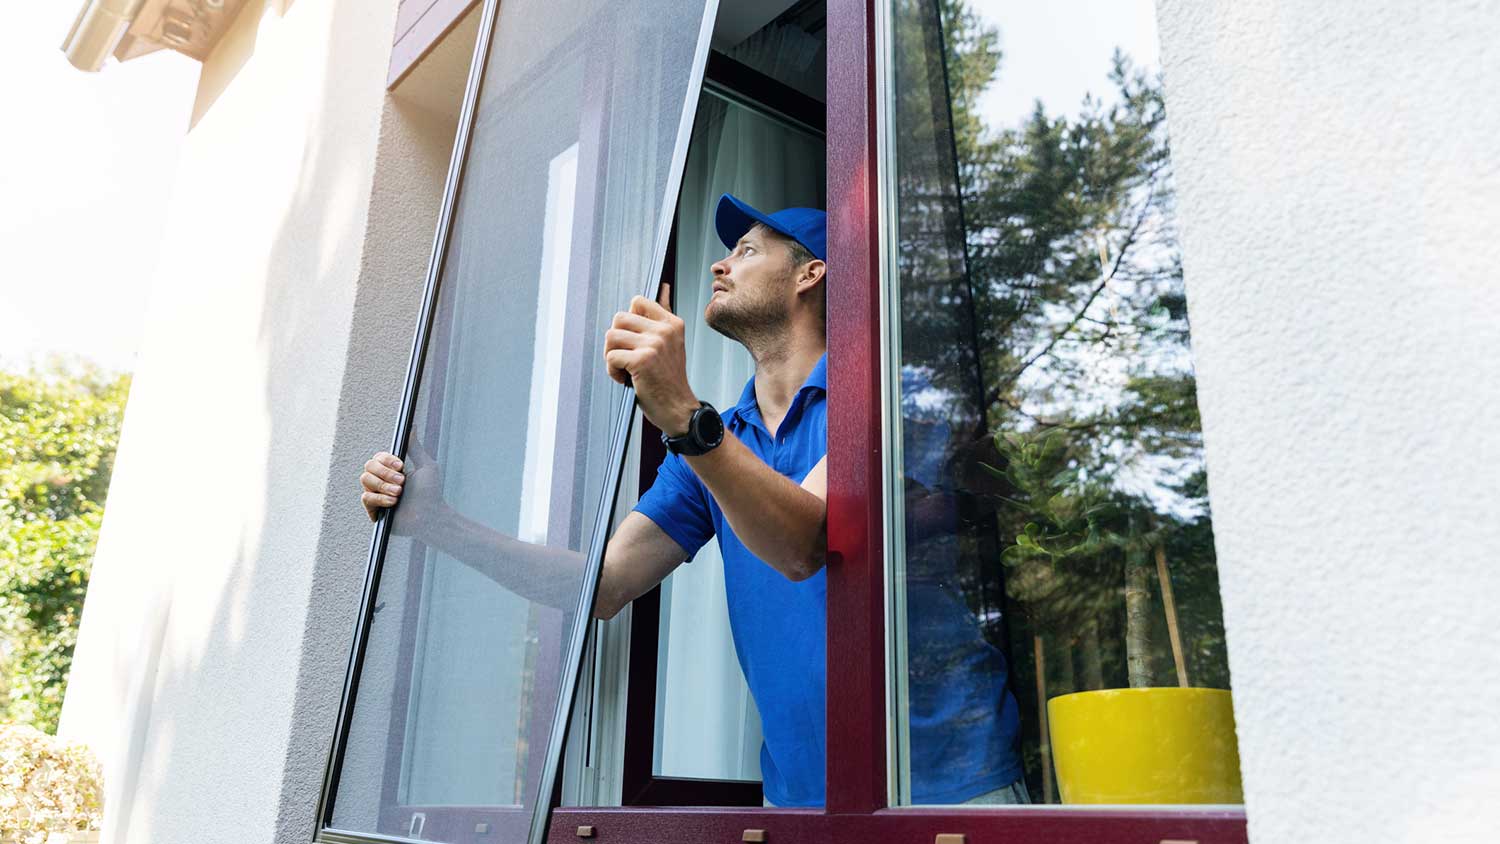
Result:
<point x="382" y="482"/>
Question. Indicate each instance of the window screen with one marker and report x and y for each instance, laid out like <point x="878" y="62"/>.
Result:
<point x="510" y="448"/>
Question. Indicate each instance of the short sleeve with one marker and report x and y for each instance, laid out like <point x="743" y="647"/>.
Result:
<point x="678" y="504"/>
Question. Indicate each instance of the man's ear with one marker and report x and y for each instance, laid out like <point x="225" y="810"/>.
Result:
<point x="811" y="275"/>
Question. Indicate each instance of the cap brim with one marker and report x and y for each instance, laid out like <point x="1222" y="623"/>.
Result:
<point x="734" y="217"/>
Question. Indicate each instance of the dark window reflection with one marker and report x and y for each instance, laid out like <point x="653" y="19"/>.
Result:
<point x="1057" y="526"/>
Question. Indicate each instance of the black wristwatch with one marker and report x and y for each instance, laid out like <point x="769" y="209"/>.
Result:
<point x="705" y="432"/>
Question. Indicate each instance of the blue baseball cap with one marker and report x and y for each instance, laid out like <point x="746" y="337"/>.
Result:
<point x="807" y="226"/>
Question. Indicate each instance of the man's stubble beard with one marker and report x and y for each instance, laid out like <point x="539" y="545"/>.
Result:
<point x="755" y="324"/>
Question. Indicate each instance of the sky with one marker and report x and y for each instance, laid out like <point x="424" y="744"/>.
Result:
<point x="87" y="163"/>
<point x="1059" y="50"/>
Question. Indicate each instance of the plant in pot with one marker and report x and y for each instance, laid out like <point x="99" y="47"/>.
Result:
<point x="51" y="790"/>
<point x="1084" y="550"/>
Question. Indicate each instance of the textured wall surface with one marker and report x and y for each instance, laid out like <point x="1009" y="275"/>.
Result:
<point x="218" y="622"/>
<point x="1339" y="176"/>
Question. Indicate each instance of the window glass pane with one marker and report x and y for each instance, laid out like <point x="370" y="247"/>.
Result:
<point x="510" y="447"/>
<point x="706" y="723"/>
<point x="1059" y="636"/>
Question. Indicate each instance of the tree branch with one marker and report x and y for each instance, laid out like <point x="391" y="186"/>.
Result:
<point x="1130" y="237"/>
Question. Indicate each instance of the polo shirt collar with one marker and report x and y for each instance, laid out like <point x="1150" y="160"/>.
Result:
<point x="748" y="410"/>
<point x="818" y="378"/>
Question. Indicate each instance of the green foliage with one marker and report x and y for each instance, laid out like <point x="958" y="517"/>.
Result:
<point x="973" y="60"/>
<point x="1064" y="514"/>
<point x="59" y="426"/>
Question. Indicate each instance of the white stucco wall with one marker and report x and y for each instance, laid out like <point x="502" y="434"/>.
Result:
<point x="1339" y="176"/>
<point x="217" y="626"/>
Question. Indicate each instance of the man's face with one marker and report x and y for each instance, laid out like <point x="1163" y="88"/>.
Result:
<point x="754" y="287"/>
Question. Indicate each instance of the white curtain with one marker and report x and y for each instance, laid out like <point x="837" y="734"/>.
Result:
<point x="706" y="723"/>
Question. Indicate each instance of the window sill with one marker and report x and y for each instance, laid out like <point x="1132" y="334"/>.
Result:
<point x="1110" y="825"/>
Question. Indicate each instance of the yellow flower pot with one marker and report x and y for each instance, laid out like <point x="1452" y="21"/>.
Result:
<point x="1167" y="745"/>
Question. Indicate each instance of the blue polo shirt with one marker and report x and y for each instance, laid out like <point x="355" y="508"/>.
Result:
<point x="780" y="626"/>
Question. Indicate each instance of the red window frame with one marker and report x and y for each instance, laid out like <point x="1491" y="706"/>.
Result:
<point x="856" y="809"/>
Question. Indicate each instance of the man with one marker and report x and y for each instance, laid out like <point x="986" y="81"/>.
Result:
<point x="756" y="478"/>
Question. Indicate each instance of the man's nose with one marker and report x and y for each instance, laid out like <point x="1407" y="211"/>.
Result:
<point x="720" y="267"/>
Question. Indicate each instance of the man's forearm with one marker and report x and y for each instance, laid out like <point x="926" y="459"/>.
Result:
<point x="538" y="573"/>
<point x="779" y="521"/>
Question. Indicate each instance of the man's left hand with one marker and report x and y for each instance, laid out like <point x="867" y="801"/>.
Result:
<point x="646" y="343"/>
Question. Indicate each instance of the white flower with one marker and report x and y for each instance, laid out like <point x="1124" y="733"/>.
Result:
<point x="47" y="785"/>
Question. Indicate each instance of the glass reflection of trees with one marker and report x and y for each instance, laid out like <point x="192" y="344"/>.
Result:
<point x="1044" y="322"/>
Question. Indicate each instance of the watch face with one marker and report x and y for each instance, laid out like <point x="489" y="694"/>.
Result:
<point x="708" y="427"/>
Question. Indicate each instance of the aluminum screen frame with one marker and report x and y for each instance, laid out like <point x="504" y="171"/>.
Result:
<point x="623" y="417"/>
